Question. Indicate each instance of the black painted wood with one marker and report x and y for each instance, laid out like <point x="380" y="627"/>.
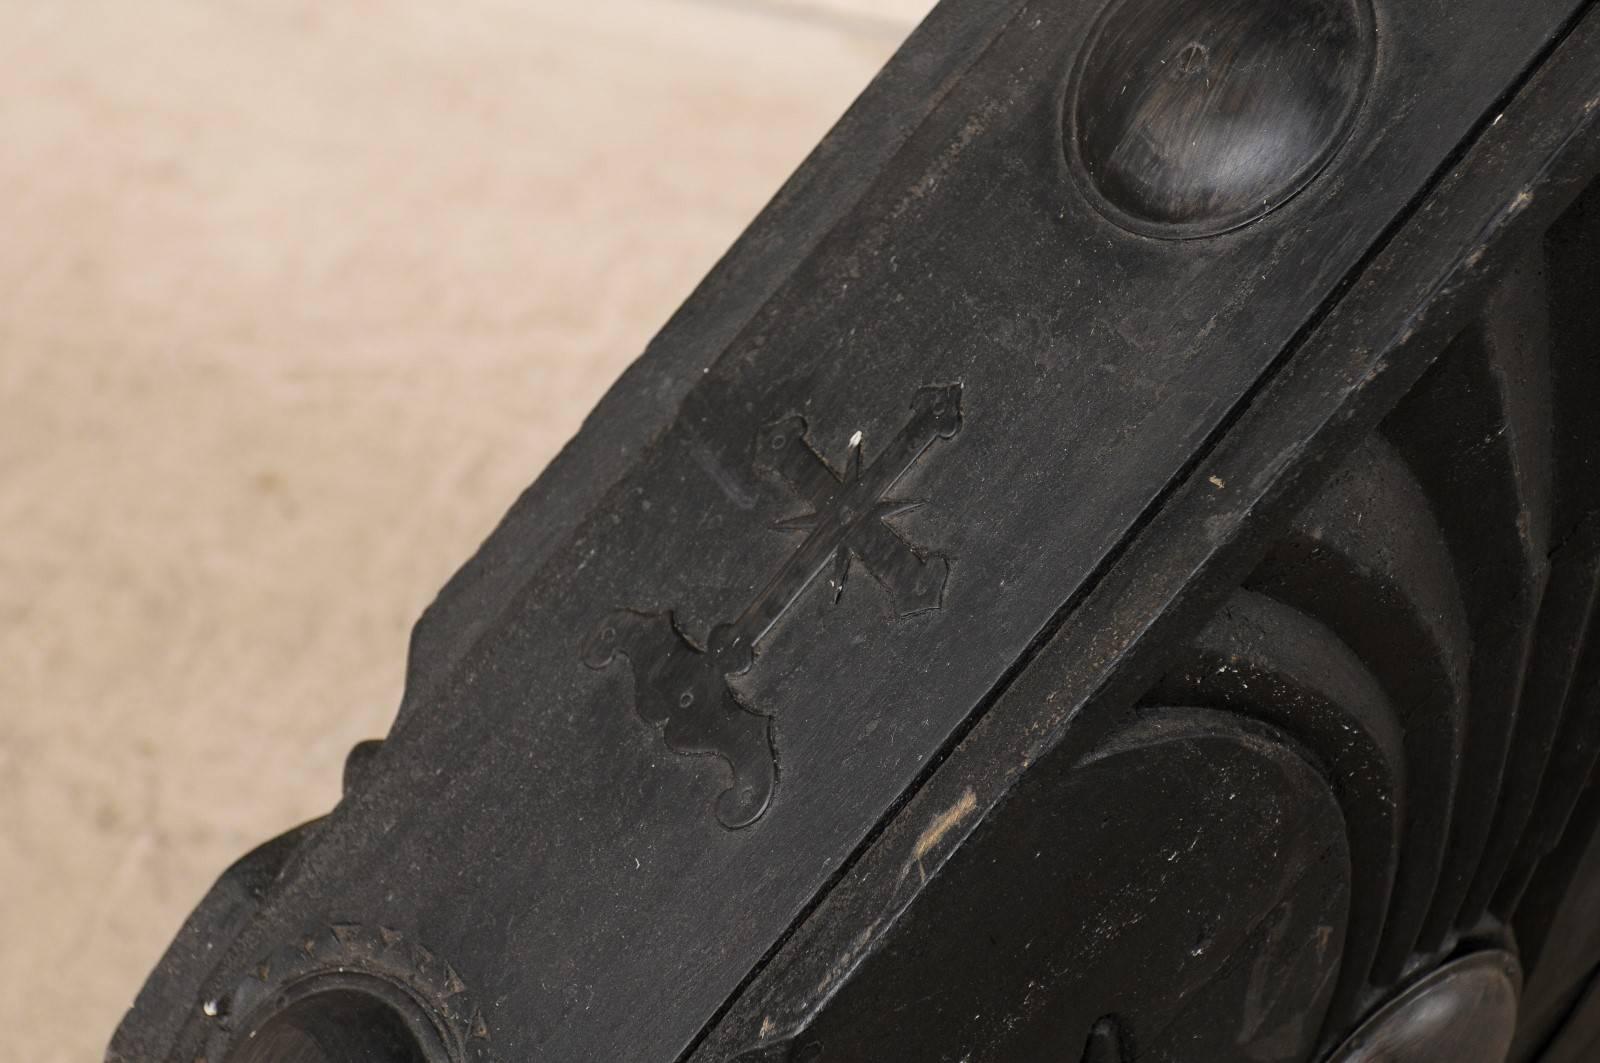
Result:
<point x="994" y="747"/>
<point x="1260" y="659"/>
<point x="1113" y="644"/>
<point x="1191" y="119"/>
<point x="1027" y="986"/>
<point x="1369" y="560"/>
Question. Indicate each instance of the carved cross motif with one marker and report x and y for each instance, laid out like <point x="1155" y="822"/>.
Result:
<point x="682" y="688"/>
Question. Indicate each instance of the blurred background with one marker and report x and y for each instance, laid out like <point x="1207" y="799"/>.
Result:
<point x="294" y="298"/>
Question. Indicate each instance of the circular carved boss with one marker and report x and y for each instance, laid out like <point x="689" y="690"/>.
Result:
<point x="360" y="993"/>
<point x="1188" y="119"/>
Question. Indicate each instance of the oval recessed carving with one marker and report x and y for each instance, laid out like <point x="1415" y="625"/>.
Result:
<point x="1187" y="120"/>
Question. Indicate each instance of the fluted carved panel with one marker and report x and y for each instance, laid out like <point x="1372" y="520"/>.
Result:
<point x="1449" y="572"/>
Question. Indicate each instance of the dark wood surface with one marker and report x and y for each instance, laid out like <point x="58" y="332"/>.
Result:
<point x="1135" y="413"/>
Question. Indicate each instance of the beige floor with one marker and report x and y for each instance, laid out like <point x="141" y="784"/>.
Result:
<point x="294" y="297"/>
